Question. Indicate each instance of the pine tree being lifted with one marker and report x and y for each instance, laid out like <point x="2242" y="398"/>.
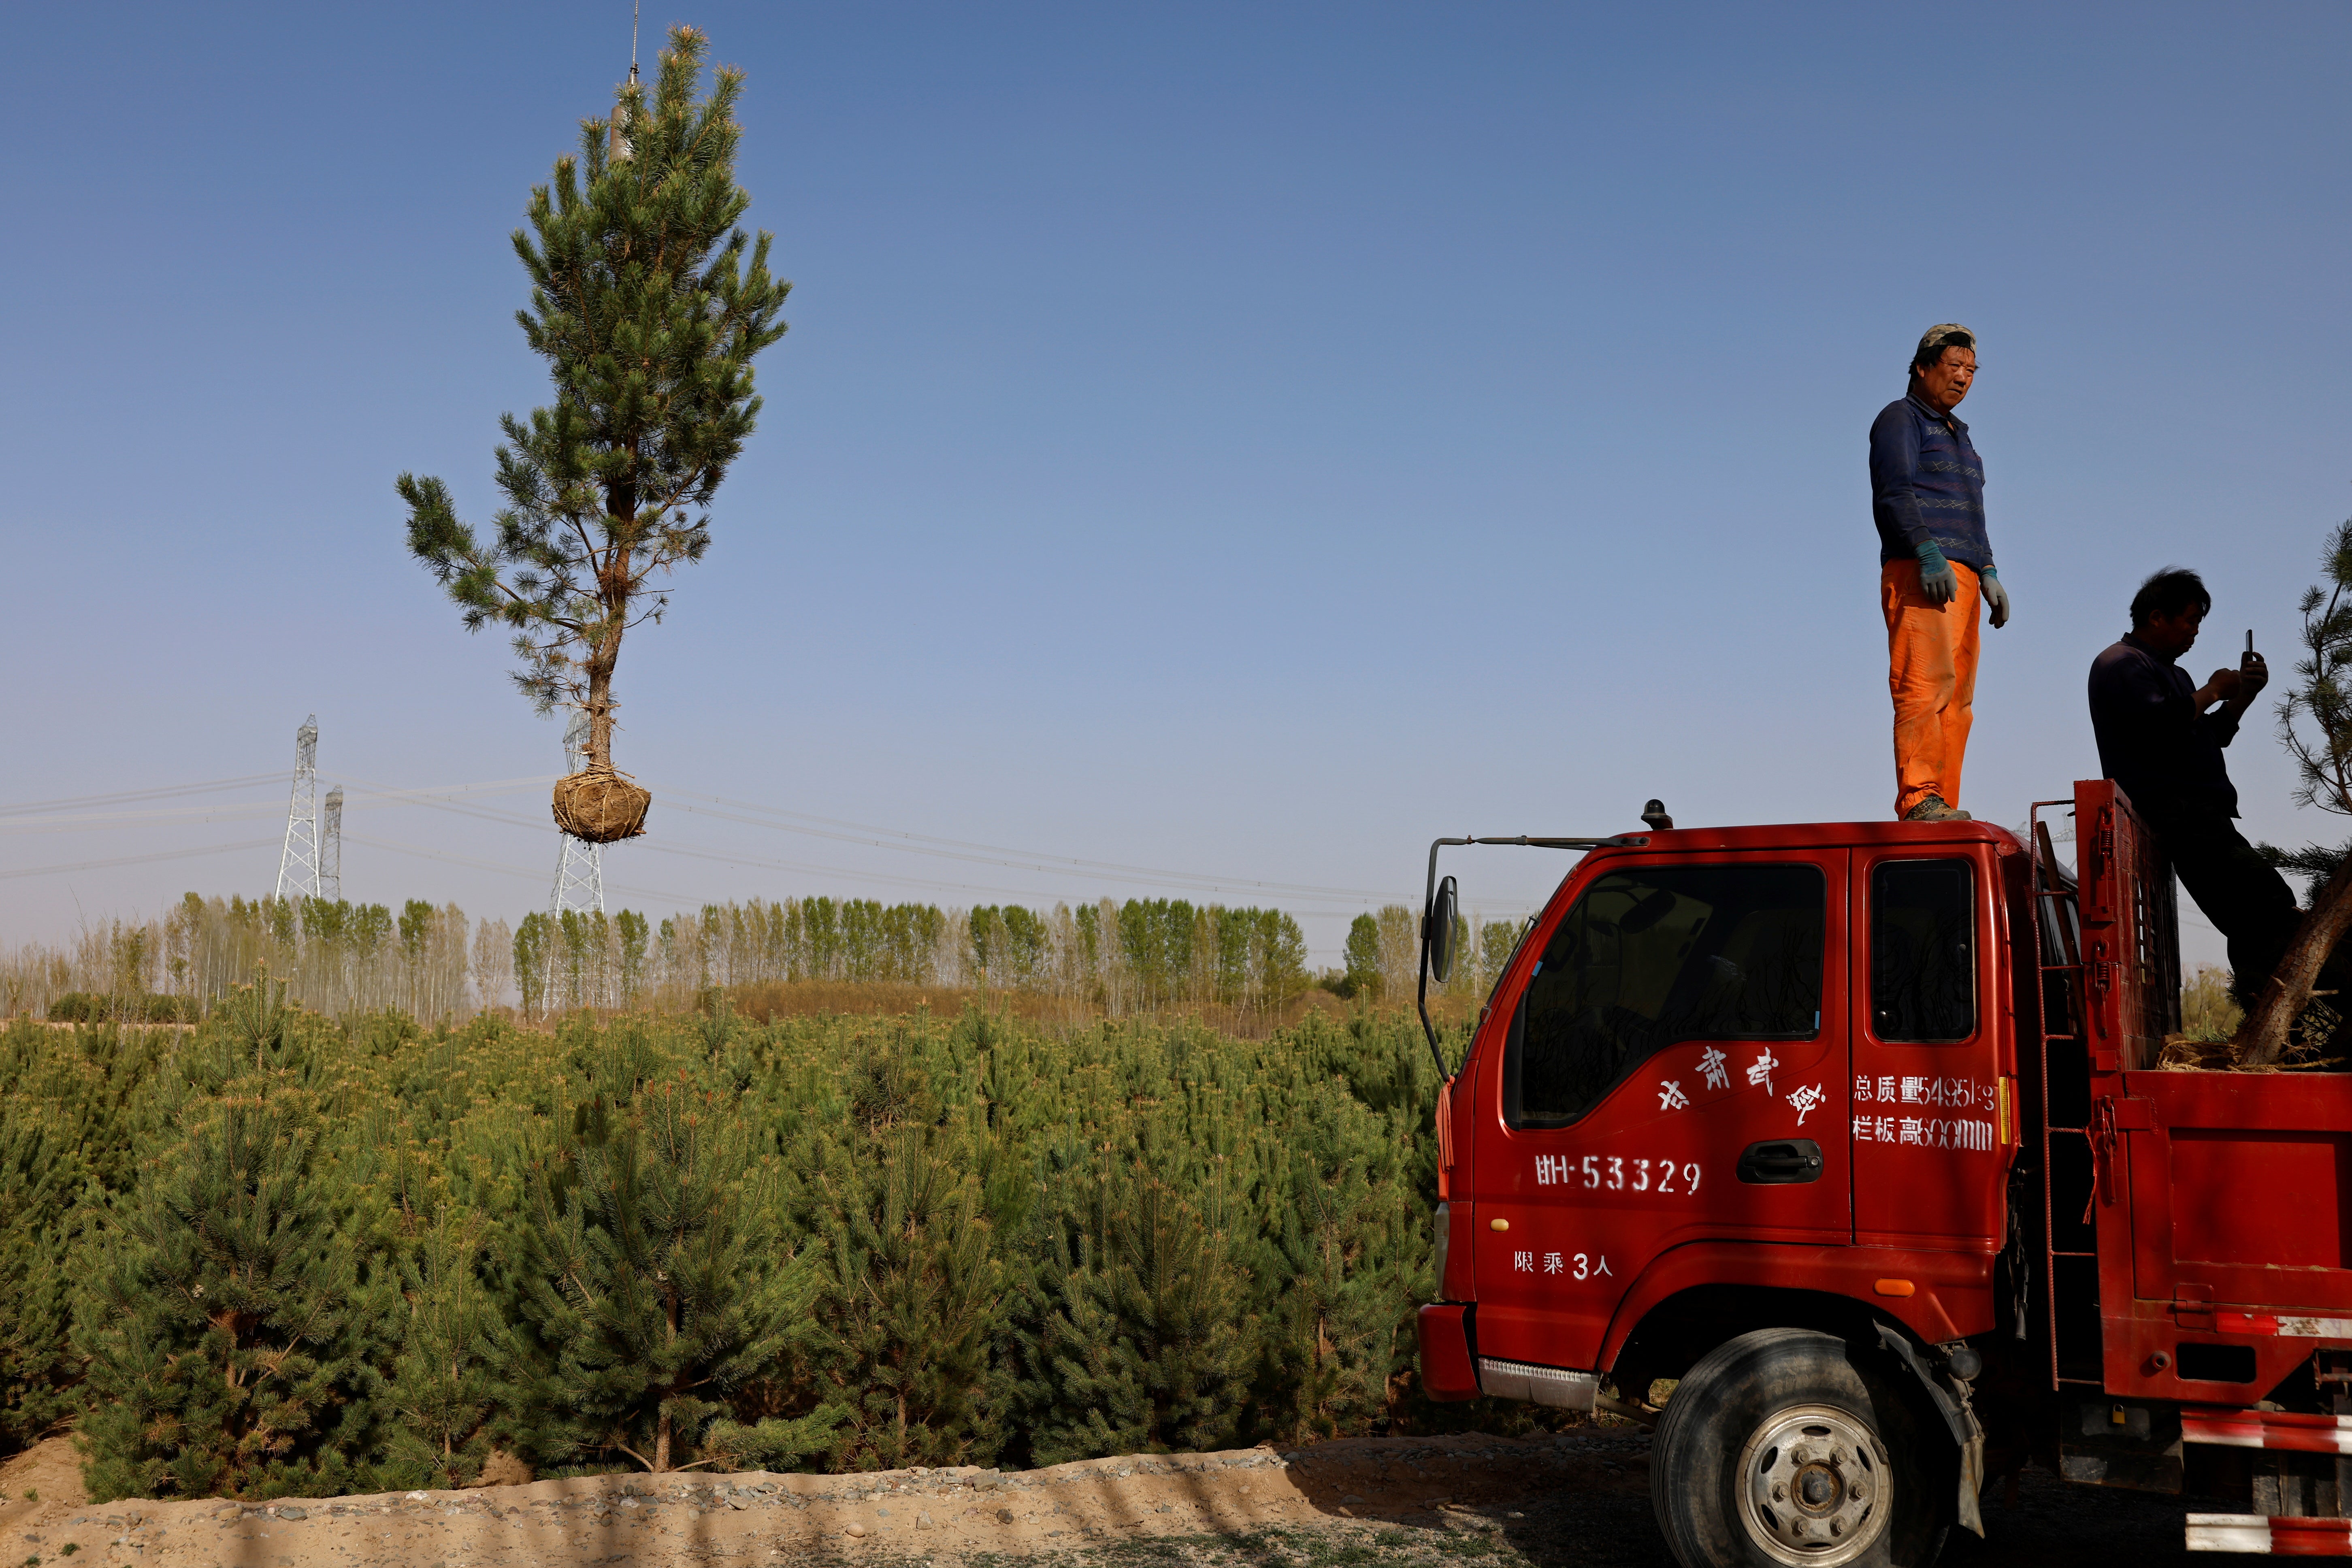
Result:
<point x="649" y="312"/>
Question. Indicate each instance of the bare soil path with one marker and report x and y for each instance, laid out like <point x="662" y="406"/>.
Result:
<point x="1577" y="1500"/>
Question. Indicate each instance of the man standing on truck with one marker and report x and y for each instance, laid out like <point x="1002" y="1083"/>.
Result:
<point x="1927" y="495"/>
<point x="2160" y="738"/>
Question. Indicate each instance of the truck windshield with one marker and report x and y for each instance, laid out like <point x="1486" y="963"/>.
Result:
<point x="1652" y="955"/>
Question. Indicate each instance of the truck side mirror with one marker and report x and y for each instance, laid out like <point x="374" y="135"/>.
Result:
<point x="1437" y="930"/>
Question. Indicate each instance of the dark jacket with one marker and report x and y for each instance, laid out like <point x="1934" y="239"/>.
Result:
<point x="1927" y="482"/>
<point x="2154" y="742"/>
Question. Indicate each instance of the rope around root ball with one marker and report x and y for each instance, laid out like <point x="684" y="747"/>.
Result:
<point x="600" y="805"/>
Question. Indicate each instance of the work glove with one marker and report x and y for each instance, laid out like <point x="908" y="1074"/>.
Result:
<point x="1996" y="598"/>
<point x="1935" y="578"/>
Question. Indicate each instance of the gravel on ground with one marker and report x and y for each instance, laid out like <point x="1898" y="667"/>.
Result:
<point x="1578" y="1500"/>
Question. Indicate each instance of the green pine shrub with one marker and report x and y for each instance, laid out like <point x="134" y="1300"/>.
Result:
<point x="1351" y="1242"/>
<point x="443" y="1390"/>
<point x="906" y="1288"/>
<point x="232" y="1337"/>
<point x="283" y="1253"/>
<point x="41" y="1171"/>
<point x="653" y="1280"/>
<point x="72" y="1105"/>
<point x="1139" y="1347"/>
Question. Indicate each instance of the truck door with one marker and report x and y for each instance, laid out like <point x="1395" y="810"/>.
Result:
<point x="1670" y="1023"/>
<point x="1929" y="1151"/>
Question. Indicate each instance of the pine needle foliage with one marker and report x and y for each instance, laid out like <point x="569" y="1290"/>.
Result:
<point x="908" y="1280"/>
<point x="1140" y="1348"/>
<point x="69" y="1118"/>
<point x="2314" y="863"/>
<point x="443" y="1389"/>
<point x="40" y="1173"/>
<point x="2315" y="725"/>
<point x="227" y="1323"/>
<point x="2314" y="718"/>
<point x="836" y="1242"/>
<point x="649" y="305"/>
<point x="653" y="1284"/>
<point x="1346" y="1246"/>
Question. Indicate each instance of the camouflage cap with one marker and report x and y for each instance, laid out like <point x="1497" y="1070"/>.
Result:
<point x="1941" y="336"/>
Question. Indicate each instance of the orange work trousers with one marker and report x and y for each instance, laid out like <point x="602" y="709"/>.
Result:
<point x="1931" y="670"/>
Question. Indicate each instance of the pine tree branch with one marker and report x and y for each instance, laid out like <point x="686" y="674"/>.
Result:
<point x="649" y="304"/>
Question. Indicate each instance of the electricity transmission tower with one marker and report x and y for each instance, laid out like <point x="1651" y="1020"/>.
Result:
<point x="298" y="864"/>
<point x="579" y="865"/>
<point x="331" y="848"/>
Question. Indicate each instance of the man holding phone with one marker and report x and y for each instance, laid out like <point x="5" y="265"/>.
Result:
<point x="2160" y="738"/>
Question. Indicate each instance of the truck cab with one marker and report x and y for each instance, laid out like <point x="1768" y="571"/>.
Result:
<point x="1859" y="1133"/>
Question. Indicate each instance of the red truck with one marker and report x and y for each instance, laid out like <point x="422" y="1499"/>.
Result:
<point x="1858" y="1131"/>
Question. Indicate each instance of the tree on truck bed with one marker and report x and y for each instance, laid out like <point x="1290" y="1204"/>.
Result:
<point x="2316" y="726"/>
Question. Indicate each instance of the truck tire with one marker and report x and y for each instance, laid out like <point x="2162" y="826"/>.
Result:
<point x="1784" y="1448"/>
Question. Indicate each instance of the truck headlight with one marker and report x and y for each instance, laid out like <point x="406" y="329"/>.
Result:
<point x="1444" y="1234"/>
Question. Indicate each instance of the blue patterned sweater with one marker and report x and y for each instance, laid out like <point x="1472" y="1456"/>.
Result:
<point x="1927" y="482"/>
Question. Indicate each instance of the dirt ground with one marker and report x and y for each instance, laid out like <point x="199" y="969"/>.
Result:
<point x="1577" y="1500"/>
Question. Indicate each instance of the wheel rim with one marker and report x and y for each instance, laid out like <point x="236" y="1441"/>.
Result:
<point x="1814" y="1487"/>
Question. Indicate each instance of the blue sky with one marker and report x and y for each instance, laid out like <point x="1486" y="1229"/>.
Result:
<point x="1235" y="439"/>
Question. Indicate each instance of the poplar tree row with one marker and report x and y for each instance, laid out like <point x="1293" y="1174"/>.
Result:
<point x="1142" y="955"/>
<point x="336" y="956"/>
<point x="285" y="1254"/>
<point x="1139" y="956"/>
<point x="1381" y="957"/>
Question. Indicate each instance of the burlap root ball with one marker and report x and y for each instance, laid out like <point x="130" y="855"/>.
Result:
<point x="600" y="805"/>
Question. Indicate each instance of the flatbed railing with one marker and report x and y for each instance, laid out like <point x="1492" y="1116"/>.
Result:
<point x="2051" y="900"/>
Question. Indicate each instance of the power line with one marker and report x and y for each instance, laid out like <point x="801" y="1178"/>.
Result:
<point x="1180" y="880"/>
<point x="142" y="859"/>
<point x="454" y="798"/>
<point x="681" y="900"/>
<point x="371" y="796"/>
<point x="736" y="858"/>
<point x="395" y="794"/>
<point x="173" y="817"/>
<point x="676" y="900"/>
<point x="963" y="850"/>
<point x="131" y="794"/>
<point x="884" y="877"/>
<point x="236" y="811"/>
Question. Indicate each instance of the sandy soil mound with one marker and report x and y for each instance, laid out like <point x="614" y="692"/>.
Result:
<point x="1577" y="1500"/>
<point x="698" y="1518"/>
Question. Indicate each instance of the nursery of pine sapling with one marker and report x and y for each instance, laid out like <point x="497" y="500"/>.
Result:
<point x="285" y="1254"/>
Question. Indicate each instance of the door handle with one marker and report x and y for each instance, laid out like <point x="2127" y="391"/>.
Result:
<point x="1780" y="1163"/>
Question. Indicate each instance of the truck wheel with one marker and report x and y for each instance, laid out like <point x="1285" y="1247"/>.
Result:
<point x="1779" y="1451"/>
